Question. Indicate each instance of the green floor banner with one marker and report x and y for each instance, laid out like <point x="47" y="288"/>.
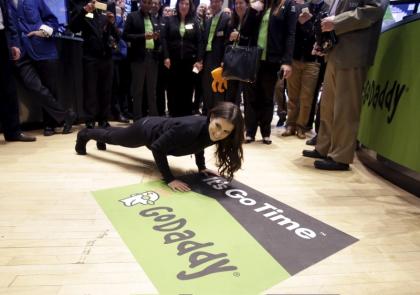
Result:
<point x="219" y="238"/>
<point x="391" y="104"/>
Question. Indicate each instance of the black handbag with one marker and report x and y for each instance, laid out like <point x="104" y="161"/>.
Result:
<point x="241" y="63"/>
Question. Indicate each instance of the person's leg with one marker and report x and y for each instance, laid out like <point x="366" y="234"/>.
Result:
<point x="250" y="107"/>
<point x="294" y="84"/>
<point x="266" y="83"/>
<point x="151" y="81"/>
<point x="105" y="72"/>
<point x="90" y="82"/>
<point x="138" y="72"/>
<point x="347" y="108"/>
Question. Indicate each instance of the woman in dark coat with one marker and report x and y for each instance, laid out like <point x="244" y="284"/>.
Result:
<point x="179" y="137"/>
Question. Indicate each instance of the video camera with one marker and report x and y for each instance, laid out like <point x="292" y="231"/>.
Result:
<point x="325" y="40"/>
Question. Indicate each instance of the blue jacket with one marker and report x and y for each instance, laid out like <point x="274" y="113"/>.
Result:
<point x="121" y="52"/>
<point x="28" y="17"/>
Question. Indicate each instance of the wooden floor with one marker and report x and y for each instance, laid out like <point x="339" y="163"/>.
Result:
<point x="55" y="239"/>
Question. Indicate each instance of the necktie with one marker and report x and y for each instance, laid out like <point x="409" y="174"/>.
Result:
<point x="213" y="25"/>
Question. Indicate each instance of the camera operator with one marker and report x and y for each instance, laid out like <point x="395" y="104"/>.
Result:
<point x="100" y="36"/>
<point x="357" y="24"/>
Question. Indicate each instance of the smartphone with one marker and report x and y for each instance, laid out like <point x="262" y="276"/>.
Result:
<point x="100" y="6"/>
<point x="280" y="74"/>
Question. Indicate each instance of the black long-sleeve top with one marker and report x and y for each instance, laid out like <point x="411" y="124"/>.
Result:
<point x="248" y="30"/>
<point x="176" y="137"/>
<point x="190" y="46"/>
<point x="97" y="32"/>
<point x="305" y="33"/>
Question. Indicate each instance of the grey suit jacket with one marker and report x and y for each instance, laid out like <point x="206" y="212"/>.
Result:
<point x="358" y="26"/>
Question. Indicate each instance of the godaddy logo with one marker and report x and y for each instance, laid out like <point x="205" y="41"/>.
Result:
<point x="202" y="261"/>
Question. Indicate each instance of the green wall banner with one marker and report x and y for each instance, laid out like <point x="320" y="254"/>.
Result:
<point x="220" y="238"/>
<point x="390" y="116"/>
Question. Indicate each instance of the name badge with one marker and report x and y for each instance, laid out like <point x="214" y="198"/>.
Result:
<point x="89" y="15"/>
<point x="189" y="26"/>
<point x="220" y="34"/>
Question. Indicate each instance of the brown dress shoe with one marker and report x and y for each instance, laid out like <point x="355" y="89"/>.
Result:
<point x="300" y="133"/>
<point x="290" y="130"/>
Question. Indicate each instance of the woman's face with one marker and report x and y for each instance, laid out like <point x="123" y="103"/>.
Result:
<point x="219" y="128"/>
<point x="240" y="7"/>
<point x="184" y="7"/>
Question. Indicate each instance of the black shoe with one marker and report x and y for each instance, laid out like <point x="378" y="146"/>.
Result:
<point x="101" y="146"/>
<point x="120" y="118"/>
<point x="330" y="164"/>
<point x="267" y="140"/>
<point x="312" y="141"/>
<point x="103" y="124"/>
<point x="81" y="142"/>
<point x="313" y="154"/>
<point x="282" y="119"/>
<point x="69" y="121"/>
<point x="48" y="131"/>
<point x="21" y="137"/>
<point x="90" y="124"/>
<point x="249" y="139"/>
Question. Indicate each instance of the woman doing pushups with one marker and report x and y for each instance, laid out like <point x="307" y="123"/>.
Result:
<point x="224" y="127"/>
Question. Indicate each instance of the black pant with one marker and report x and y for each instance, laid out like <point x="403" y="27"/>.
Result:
<point x="259" y="105"/>
<point x="210" y="98"/>
<point x="132" y="136"/>
<point x="97" y="88"/>
<point x="180" y="87"/>
<point x="120" y="88"/>
<point x="40" y="77"/>
<point x="315" y="112"/>
<point x="9" y="111"/>
<point x="161" y="86"/>
<point x="144" y="78"/>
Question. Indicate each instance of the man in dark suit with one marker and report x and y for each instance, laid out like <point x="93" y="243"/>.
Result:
<point x="142" y="34"/>
<point x="9" y="112"/>
<point x="214" y="41"/>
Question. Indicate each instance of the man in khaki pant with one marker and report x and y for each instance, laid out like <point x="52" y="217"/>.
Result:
<point x="357" y="23"/>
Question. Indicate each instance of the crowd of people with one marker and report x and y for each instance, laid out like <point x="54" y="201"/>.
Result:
<point x="157" y="61"/>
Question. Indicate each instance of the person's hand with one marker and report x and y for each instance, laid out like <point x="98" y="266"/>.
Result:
<point x="304" y="17"/>
<point x="179" y="186"/>
<point x="167" y="63"/>
<point x="198" y="65"/>
<point x="327" y="24"/>
<point x="234" y="36"/>
<point x="90" y="7"/>
<point x="110" y="17"/>
<point x="148" y="35"/>
<point x="257" y="5"/>
<point x="287" y="71"/>
<point x="39" y="33"/>
<point x="156" y="35"/>
<point x="208" y="172"/>
<point x="15" y="51"/>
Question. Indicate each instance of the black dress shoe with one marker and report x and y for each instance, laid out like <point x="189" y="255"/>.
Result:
<point x="81" y="142"/>
<point x="21" y="137"/>
<point x="312" y="154"/>
<point x="48" y="131"/>
<point x="330" y="164"/>
<point x="103" y="124"/>
<point x="120" y="118"/>
<point x="267" y="140"/>
<point x="249" y="139"/>
<point x="312" y="141"/>
<point x="90" y="124"/>
<point x="69" y="121"/>
<point x="101" y="146"/>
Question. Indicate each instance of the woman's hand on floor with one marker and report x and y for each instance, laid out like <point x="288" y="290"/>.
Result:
<point x="179" y="186"/>
<point x="208" y="172"/>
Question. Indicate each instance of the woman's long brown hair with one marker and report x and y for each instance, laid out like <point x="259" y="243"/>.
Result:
<point x="229" y="153"/>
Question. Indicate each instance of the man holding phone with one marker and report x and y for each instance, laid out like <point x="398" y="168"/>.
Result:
<point x="142" y="35"/>
<point x="100" y="36"/>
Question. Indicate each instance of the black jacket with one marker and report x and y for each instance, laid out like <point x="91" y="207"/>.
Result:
<point x="219" y="38"/>
<point x="281" y="33"/>
<point x="248" y="32"/>
<point x="9" y="26"/>
<point x="176" y="47"/>
<point x="134" y="35"/>
<point x="98" y="35"/>
<point x="305" y="33"/>
<point x="176" y="137"/>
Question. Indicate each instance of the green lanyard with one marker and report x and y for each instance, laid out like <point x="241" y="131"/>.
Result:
<point x="213" y="25"/>
<point x="148" y="27"/>
<point x="182" y="29"/>
<point x="262" y="35"/>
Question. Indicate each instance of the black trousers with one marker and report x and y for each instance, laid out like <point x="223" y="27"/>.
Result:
<point x="210" y="98"/>
<point x="161" y="87"/>
<point x="180" y="87"/>
<point x="120" y="87"/>
<point x="40" y="78"/>
<point x="144" y="77"/>
<point x="258" y="96"/>
<point x="132" y="136"/>
<point x="9" y="111"/>
<point x="97" y="88"/>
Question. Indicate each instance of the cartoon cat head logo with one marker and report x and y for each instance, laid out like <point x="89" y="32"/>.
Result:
<point x="146" y="198"/>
